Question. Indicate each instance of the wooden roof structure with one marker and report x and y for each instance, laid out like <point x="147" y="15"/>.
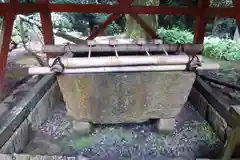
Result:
<point x="13" y="7"/>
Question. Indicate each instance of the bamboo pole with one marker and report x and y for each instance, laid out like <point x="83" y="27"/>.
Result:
<point x="122" y="61"/>
<point x="165" y="68"/>
<point x="57" y="50"/>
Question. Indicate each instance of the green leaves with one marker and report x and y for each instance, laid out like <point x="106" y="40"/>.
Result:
<point x="223" y="49"/>
<point x="175" y="35"/>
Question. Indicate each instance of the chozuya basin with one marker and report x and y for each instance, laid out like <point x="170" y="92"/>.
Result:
<point x="125" y="97"/>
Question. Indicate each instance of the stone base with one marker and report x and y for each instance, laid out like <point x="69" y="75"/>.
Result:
<point x="125" y="97"/>
<point x="166" y="125"/>
<point x="82" y="128"/>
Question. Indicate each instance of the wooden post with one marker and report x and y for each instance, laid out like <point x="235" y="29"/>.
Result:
<point x="236" y="4"/>
<point x="46" y="23"/>
<point x="201" y="21"/>
<point x="5" y="38"/>
<point x="231" y="143"/>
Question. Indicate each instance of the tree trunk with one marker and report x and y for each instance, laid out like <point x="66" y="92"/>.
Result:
<point x="215" y="24"/>
<point x="133" y="29"/>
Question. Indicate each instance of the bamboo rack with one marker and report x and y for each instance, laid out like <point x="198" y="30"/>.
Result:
<point x="123" y="61"/>
<point x="159" y="68"/>
<point x="58" y="50"/>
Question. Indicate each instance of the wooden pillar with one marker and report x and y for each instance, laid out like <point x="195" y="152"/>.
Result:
<point x="201" y="21"/>
<point x="5" y="39"/>
<point x="46" y="21"/>
<point x="236" y="4"/>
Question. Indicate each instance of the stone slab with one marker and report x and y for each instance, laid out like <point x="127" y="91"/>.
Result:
<point x="166" y="125"/>
<point x="18" y="114"/>
<point x="125" y="97"/>
<point x="199" y="102"/>
<point x="235" y="110"/>
<point x="44" y="107"/>
<point x="38" y="157"/>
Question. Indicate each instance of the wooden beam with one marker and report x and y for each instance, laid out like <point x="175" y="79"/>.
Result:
<point x="201" y="22"/>
<point x="97" y="8"/>
<point x="5" y="39"/>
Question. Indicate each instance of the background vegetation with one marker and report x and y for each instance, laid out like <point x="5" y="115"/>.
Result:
<point x="220" y="41"/>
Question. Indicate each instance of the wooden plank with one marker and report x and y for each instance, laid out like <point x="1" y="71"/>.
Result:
<point x="219" y="104"/>
<point x="97" y="8"/>
<point x="5" y="39"/>
<point x="201" y="22"/>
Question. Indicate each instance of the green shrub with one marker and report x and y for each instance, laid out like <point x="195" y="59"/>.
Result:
<point x="223" y="49"/>
<point x="175" y="35"/>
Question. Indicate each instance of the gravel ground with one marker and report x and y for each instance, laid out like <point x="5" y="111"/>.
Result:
<point x="192" y="137"/>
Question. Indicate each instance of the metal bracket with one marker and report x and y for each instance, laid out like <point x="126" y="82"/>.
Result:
<point x="67" y="53"/>
<point x="193" y="63"/>
<point x="159" y="42"/>
<point x="57" y="66"/>
<point x="141" y="42"/>
<point x="90" y="43"/>
<point x="113" y="43"/>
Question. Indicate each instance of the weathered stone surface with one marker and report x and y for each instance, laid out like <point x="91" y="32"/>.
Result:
<point x="4" y="107"/>
<point x="38" y="157"/>
<point x="17" y="115"/>
<point x="42" y="147"/>
<point x="125" y="97"/>
<point x="22" y="156"/>
<point x="199" y="102"/>
<point x="18" y="140"/>
<point x="81" y="127"/>
<point x="44" y="107"/>
<point x="5" y="157"/>
<point x="218" y="123"/>
<point x="42" y="157"/>
<point x="166" y="125"/>
<point x="82" y="158"/>
<point x="17" y="94"/>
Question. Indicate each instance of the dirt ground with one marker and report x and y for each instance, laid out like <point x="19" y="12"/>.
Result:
<point x="16" y="70"/>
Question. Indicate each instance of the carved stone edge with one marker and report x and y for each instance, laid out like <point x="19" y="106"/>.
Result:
<point x="38" y="157"/>
<point x="217" y="122"/>
<point x="15" y="128"/>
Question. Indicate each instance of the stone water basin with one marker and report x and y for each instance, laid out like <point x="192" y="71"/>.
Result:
<point x="40" y="127"/>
